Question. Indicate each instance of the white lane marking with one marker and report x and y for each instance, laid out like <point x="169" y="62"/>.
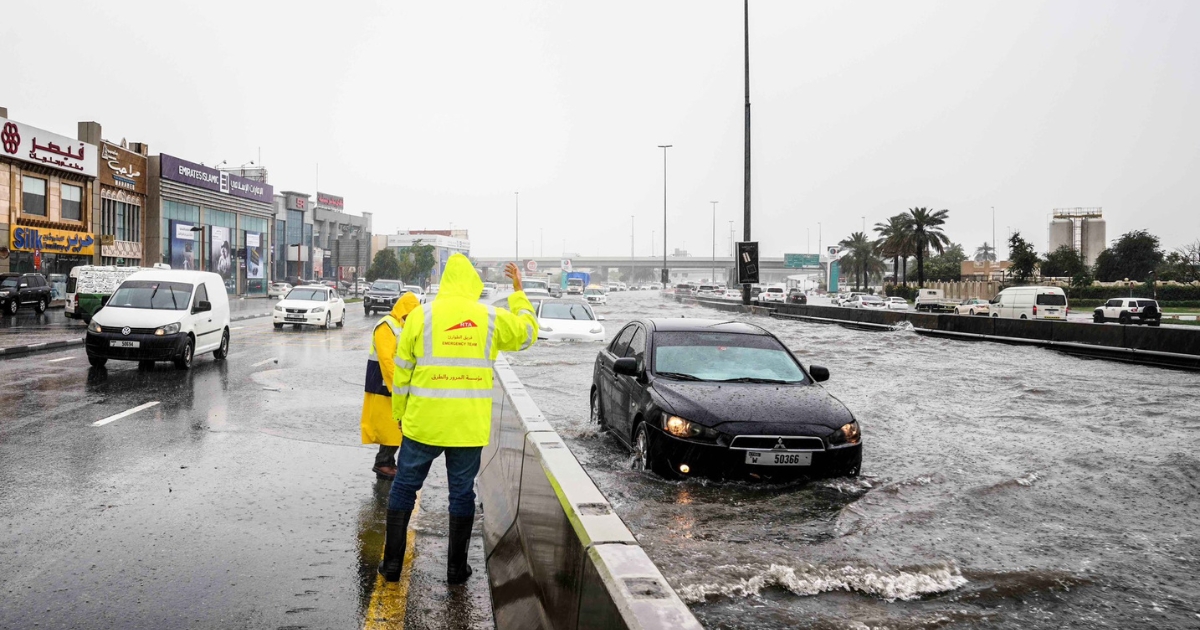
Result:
<point x="237" y="328"/>
<point x="263" y="362"/>
<point x="62" y="359"/>
<point x="127" y="412"/>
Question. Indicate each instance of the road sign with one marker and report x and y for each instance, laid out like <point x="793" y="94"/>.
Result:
<point x="531" y="265"/>
<point x="566" y="265"/>
<point x="747" y="262"/>
<point x="801" y="261"/>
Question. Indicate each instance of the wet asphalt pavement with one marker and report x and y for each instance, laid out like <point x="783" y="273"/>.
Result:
<point x="1002" y="487"/>
<point x="241" y="499"/>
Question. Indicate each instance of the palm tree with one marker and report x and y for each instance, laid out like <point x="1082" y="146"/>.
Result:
<point x="985" y="252"/>
<point x="927" y="235"/>
<point x="861" y="257"/>
<point x="893" y="241"/>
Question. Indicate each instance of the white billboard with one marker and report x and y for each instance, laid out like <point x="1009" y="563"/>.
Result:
<point x="38" y="146"/>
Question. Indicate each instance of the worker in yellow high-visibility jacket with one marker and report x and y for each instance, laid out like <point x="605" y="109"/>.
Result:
<point x="378" y="424"/>
<point x="442" y="394"/>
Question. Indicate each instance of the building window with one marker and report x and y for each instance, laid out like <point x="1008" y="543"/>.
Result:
<point x="33" y="196"/>
<point x="72" y="202"/>
<point x="122" y="220"/>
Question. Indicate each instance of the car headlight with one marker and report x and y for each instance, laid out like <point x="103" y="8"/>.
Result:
<point x="847" y="434"/>
<point x="682" y="428"/>
<point x="279" y="308"/>
<point x="169" y="329"/>
<point x="319" y="309"/>
<point x="545" y="329"/>
<point x="597" y="330"/>
<point x="94" y="327"/>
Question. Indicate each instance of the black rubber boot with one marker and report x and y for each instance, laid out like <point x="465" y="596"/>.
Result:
<point x="394" y="545"/>
<point x="457" y="569"/>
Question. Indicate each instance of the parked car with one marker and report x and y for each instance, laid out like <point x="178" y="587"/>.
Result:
<point x="312" y="305"/>
<point x="972" y="306"/>
<point x="1030" y="303"/>
<point x="843" y="299"/>
<point x="867" y="301"/>
<point x="595" y="295"/>
<point x="24" y="289"/>
<point x="278" y="289"/>
<point x="895" y="303"/>
<point x="775" y="293"/>
<point x="382" y="296"/>
<point x="358" y="287"/>
<point x="720" y="398"/>
<point x="568" y="320"/>
<point x="1129" y="311"/>
<point x="161" y="315"/>
<point x="796" y="296"/>
<point x="417" y="291"/>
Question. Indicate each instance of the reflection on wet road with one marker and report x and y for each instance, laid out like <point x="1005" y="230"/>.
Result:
<point x="1002" y="486"/>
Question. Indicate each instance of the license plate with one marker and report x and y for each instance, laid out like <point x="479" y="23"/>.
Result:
<point x="120" y="343"/>
<point x="298" y="318"/>
<point x="769" y="458"/>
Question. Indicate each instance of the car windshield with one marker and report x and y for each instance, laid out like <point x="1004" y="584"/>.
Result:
<point x="870" y="298"/>
<point x="9" y="282"/>
<point x="563" y="310"/>
<point x="315" y="295"/>
<point x="714" y="356"/>
<point x="166" y="296"/>
<point x="1051" y="299"/>
<point x="593" y="292"/>
<point x="774" y="290"/>
<point x="387" y="286"/>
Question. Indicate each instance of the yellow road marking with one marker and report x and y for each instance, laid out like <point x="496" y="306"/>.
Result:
<point x="389" y="601"/>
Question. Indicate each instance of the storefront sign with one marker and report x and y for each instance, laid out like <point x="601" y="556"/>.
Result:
<point x="192" y="174"/>
<point x="183" y="245"/>
<point x="332" y="201"/>
<point x="296" y="202"/>
<point x="27" y="239"/>
<point x="30" y="144"/>
<point x="121" y="168"/>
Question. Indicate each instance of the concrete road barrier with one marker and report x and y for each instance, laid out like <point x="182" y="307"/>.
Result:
<point x="558" y="556"/>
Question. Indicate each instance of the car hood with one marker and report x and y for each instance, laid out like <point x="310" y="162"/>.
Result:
<point x="136" y="317"/>
<point x="581" y="326"/>
<point x="752" y="408"/>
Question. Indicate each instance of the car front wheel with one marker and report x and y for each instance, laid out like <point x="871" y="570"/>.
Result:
<point x="1097" y="318"/>
<point x="97" y="362"/>
<point x="597" y="411"/>
<point x="645" y="457"/>
<point x="184" y="360"/>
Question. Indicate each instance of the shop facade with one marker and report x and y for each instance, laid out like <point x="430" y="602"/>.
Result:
<point x="47" y="189"/>
<point x="122" y="198"/>
<point x="198" y="217"/>
<point x="345" y="239"/>
<point x="294" y="247"/>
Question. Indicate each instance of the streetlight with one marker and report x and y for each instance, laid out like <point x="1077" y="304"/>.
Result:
<point x="631" y="255"/>
<point x="200" y="229"/>
<point x="517" y="227"/>
<point x="714" y="244"/>
<point x="666" y="273"/>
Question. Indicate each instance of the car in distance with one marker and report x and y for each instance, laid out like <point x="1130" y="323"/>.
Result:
<point x="896" y="303"/>
<point x="161" y="315"/>
<point x="382" y="296"/>
<point x="774" y="293"/>
<point x="568" y="320"/>
<point x="720" y="398"/>
<point x="972" y="306"/>
<point x="278" y="289"/>
<point x="416" y="291"/>
<point x="796" y="296"/>
<point x="595" y="295"/>
<point x="1030" y="303"/>
<point x="310" y="305"/>
<point x="1129" y="311"/>
<point x="866" y="301"/>
<point x="24" y="289"/>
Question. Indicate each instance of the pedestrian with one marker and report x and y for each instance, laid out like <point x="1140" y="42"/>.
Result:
<point x="443" y="394"/>
<point x="378" y="424"/>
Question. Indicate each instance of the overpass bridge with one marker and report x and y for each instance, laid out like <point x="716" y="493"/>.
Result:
<point x="683" y="268"/>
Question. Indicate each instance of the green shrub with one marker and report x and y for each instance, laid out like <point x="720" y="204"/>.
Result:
<point x="899" y="290"/>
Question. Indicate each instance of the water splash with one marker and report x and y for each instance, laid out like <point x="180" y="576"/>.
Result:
<point x="905" y="584"/>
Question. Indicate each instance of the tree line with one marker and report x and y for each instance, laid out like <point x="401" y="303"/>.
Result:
<point x="412" y="265"/>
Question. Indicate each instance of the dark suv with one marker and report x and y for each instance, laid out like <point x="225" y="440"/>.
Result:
<point x="23" y="289"/>
<point x="382" y="296"/>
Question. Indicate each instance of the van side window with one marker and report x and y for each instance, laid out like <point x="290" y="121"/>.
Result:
<point x="201" y="294"/>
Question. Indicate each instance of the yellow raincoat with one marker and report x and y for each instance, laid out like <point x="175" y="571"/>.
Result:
<point x="378" y="424"/>
<point x="443" y="365"/>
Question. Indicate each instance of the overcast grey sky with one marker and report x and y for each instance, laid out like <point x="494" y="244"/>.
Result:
<point x="428" y="113"/>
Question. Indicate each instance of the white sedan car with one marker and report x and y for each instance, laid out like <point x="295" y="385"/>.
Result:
<point x="866" y="301"/>
<point x="278" y="289"/>
<point x="310" y="305"/>
<point x="568" y="320"/>
<point x="417" y="291"/>
<point x="595" y="296"/>
<point x="896" y="303"/>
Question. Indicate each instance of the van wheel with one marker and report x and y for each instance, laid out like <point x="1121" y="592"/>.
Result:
<point x="41" y="306"/>
<point x="1023" y="317"/>
<point x="1124" y="319"/>
<point x="97" y="362"/>
<point x="184" y="361"/>
<point x="278" y="325"/>
<point x="222" y="352"/>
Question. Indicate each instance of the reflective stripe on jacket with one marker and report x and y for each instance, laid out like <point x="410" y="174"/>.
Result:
<point x="443" y="365"/>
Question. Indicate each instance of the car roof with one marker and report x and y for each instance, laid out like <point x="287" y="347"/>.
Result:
<point x="175" y="275"/>
<point x="688" y="324"/>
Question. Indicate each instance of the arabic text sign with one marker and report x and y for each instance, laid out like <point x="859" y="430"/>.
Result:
<point x="333" y="201"/>
<point x="121" y="168"/>
<point x="193" y="174"/>
<point x="48" y="241"/>
<point x="30" y="144"/>
<point x="801" y="261"/>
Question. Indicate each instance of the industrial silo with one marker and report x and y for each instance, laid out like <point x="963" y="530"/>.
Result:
<point x="1062" y="232"/>
<point x="1095" y="239"/>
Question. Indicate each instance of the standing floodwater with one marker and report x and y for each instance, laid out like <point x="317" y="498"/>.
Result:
<point x="1002" y="487"/>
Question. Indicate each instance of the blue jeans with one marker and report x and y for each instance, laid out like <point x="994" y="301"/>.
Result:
<point x="412" y="466"/>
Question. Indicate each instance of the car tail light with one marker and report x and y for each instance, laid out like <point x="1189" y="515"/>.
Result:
<point x="75" y="302"/>
<point x="1035" y="309"/>
<point x="1133" y="310"/>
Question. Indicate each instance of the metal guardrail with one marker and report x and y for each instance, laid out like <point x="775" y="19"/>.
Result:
<point x="558" y="557"/>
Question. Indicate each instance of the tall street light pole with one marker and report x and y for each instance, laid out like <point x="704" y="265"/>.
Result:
<point x="714" y="244"/>
<point x="517" y="228"/>
<point x="666" y="274"/>
<point x="746" y="203"/>
<point x="995" y="245"/>
<point x="631" y="255"/>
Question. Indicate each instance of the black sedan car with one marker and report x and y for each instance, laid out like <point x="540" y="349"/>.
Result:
<point x="721" y="399"/>
<point x="382" y="296"/>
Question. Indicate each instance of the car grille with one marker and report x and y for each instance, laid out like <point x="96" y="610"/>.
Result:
<point x="296" y="310"/>
<point x="133" y="331"/>
<point x="768" y="442"/>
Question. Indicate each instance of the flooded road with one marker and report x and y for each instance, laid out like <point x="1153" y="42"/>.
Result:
<point x="1002" y="487"/>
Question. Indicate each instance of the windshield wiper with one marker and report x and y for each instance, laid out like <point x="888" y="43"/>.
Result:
<point x="754" y="379"/>
<point x="679" y="376"/>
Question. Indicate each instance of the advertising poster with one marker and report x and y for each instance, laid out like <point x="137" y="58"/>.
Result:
<point x="256" y="273"/>
<point x="184" y="248"/>
<point x="222" y="255"/>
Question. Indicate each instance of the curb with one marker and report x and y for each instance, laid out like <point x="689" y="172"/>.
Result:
<point x="56" y="345"/>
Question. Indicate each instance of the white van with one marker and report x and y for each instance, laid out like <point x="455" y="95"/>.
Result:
<point x="1030" y="303"/>
<point x="162" y="315"/>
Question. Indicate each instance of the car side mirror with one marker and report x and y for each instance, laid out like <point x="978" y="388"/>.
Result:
<point x="599" y="318"/>
<point x="819" y="374"/>
<point x="626" y="366"/>
<point x="202" y="307"/>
